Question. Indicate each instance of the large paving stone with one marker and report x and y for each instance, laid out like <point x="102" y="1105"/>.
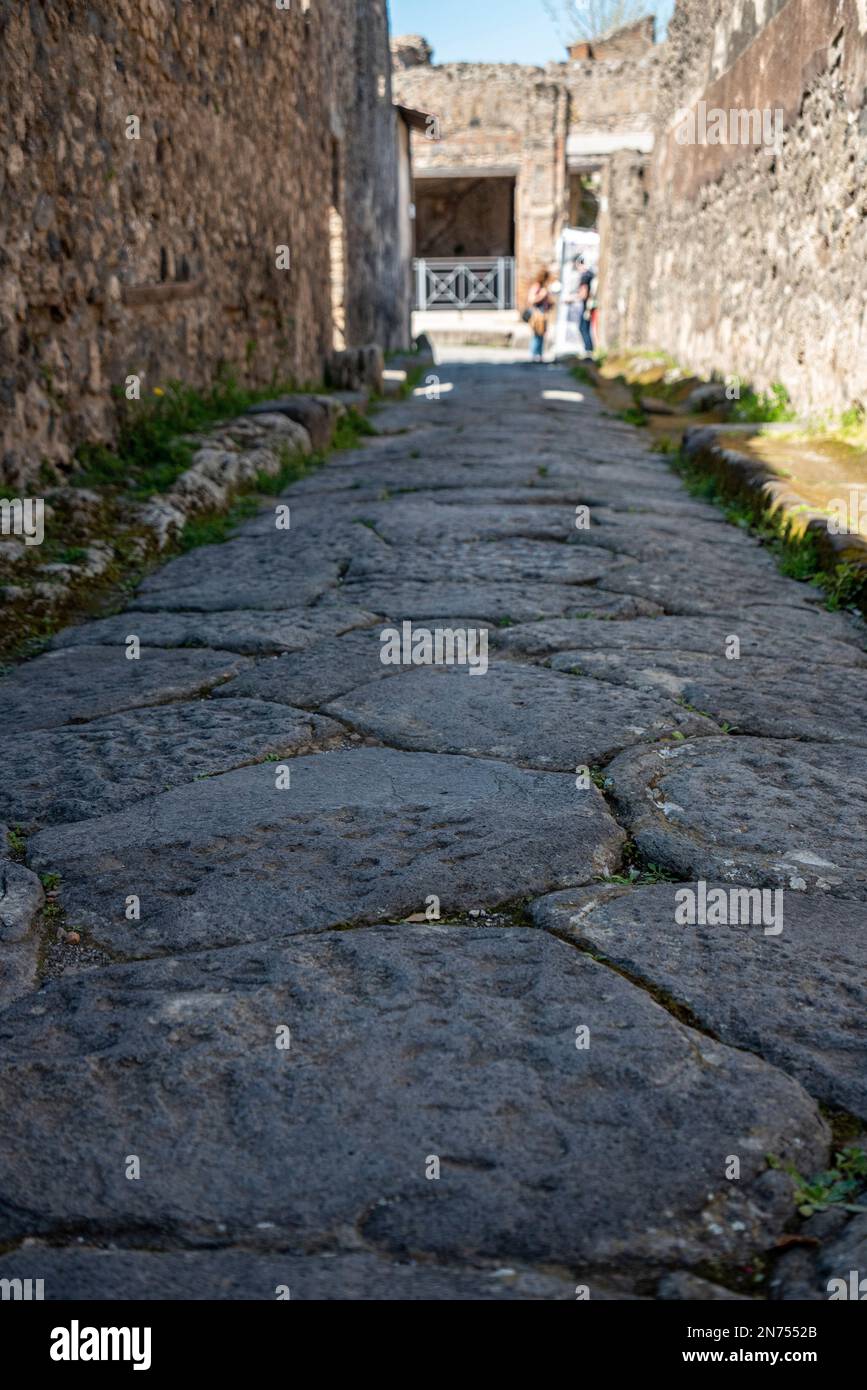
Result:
<point x="358" y="835"/>
<point x="750" y="811"/>
<point x="75" y="773"/>
<point x="251" y="633"/>
<point x="21" y="899"/>
<point x="698" y="582"/>
<point x="563" y="486"/>
<point x="567" y="640"/>
<point x="521" y="713"/>
<point x="273" y="572"/>
<point x="409" y="520"/>
<point x="513" y="558"/>
<point x="809" y="622"/>
<point x="642" y="534"/>
<point x="798" y="999"/>
<point x="19" y="966"/>
<point x="74" y="684"/>
<point x="805" y="1273"/>
<point x="327" y="669"/>
<point x="673" y="507"/>
<point x="405" y="1044"/>
<point x="620" y="499"/>
<point x="778" y="699"/>
<point x="496" y="602"/>
<point x="322" y="672"/>
<point x="239" y="1275"/>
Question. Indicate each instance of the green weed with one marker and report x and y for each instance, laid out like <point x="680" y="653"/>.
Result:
<point x="843" y="585"/>
<point x="152" y="452"/>
<point x="351" y="428"/>
<point x="796" y="552"/>
<point x="837" y="1186"/>
<point x="16" y="844"/>
<point x="763" y="407"/>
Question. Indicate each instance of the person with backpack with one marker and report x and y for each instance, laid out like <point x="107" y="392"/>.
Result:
<point x="539" y="304"/>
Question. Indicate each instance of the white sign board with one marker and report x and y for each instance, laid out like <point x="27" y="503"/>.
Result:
<point x="572" y="241"/>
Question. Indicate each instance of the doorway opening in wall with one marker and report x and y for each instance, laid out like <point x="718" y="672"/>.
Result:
<point x="465" y="242"/>
<point x="337" y="250"/>
<point x="584" y="199"/>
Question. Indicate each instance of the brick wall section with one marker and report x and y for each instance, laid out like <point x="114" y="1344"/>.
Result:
<point x="156" y="257"/>
<point x="741" y="258"/>
<point x="628" y="42"/>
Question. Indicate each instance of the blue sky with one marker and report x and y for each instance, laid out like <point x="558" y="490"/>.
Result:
<point x="493" y="31"/>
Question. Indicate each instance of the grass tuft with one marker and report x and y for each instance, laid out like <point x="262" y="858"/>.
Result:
<point x="796" y="552"/>
<point x="838" y="1186"/>
<point x="151" y="451"/>
<point x="763" y="407"/>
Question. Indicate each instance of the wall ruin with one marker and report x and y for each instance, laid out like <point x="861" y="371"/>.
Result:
<point x="156" y="256"/>
<point x="749" y="258"/>
<point x="536" y="125"/>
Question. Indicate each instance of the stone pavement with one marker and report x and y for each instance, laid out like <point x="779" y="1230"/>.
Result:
<point x="262" y="1066"/>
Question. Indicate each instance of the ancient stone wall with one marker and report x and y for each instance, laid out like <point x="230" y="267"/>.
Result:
<point x="156" y="256"/>
<point x="484" y="108"/>
<point x="623" y="250"/>
<point x="510" y="120"/>
<point x="753" y="258"/>
<point x="410" y="51"/>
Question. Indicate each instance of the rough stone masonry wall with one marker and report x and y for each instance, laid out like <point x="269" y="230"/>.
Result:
<point x="744" y="259"/>
<point x="505" y="117"/>
<point x="156" y="257"/>
<point x="483" y="108"/>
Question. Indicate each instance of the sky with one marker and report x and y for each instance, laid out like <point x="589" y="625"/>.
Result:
<point x="487" y="31"/>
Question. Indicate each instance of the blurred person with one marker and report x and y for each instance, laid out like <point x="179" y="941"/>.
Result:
<point x="585" y="301"/>
<point x="539" y="305"/>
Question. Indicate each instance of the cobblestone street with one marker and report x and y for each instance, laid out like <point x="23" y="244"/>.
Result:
<point x="253" y="826"/>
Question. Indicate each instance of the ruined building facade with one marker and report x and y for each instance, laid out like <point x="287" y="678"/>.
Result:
<point x="747" y="257"/>
<point x="154" y="157"/>
<point x="741" y="256"/>
<point x="515" y="150"/>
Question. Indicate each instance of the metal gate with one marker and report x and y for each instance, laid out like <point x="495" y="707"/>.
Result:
<point x="481" y="282"/>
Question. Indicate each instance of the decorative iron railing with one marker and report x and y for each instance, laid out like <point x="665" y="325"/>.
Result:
<point x="478" y="282"/>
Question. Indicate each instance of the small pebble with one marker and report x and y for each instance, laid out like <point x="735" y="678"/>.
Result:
<point x="72" y="938"/>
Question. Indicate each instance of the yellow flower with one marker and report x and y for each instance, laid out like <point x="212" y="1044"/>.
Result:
<point x="158" y="391"/>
